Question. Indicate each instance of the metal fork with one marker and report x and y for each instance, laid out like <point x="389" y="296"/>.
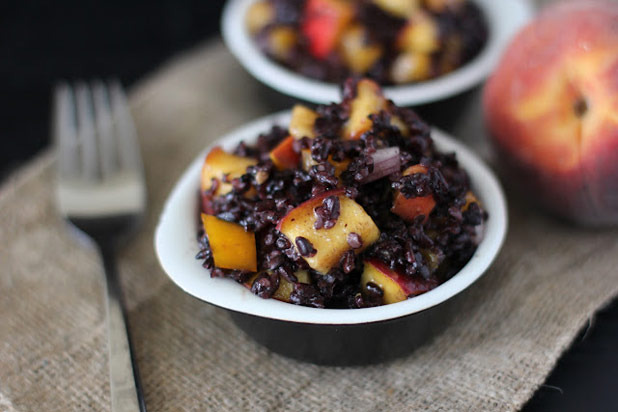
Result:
<point x="101" y="191"/>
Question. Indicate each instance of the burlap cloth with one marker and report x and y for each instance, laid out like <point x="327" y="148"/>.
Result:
<point x="547" y="282"/>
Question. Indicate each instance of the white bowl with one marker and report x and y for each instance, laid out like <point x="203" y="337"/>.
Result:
<point x="176" y="244"/>
<point x="504" y="18"/>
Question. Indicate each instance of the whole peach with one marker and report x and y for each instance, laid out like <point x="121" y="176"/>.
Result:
<point x="551" y="108"/>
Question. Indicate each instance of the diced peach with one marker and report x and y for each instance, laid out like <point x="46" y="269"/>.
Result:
<point x="281" y="41"/>
<point x="470" y="198"/>
<point x="420" y="35"/>
<point x="330" y="244"/>
<point x="369" y="100"/>
<point x="219" y="164"/>
<point x="399" y="124"/>
<point x="396" y="287"/>
<point x="308" y="161"/>
<point x="410" y="209"/>
<point x="433" y="259"/>
<point x="232" y="247"/>
<point x="302" y="121"/>
<point x="411" y="67"/>
<point x="284" y="156"/>
<point x="357" y="54"/>
<point x="399" y="8"/>
<point x="286" y="288"/>
<point x="259" y="15"/>
<point x="440" y="6"/>
<point x="419" y="168"/>
<point x="323" y="22"/>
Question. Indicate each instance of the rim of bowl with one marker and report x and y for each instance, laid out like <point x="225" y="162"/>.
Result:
<point x="176" y="243"/>
<point x="504" y="19"/>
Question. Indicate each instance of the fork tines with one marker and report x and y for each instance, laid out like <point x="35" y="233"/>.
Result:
<point x="99" y="165"/>
<point x="94" y="130"/>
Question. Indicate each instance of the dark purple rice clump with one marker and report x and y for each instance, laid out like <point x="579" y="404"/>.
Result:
<point x="429" y="249"/>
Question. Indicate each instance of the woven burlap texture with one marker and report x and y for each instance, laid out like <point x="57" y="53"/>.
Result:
<point x="548" y="280"/>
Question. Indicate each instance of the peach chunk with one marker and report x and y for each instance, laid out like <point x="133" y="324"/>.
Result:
<point x="399" y="8"/>
<point x="357" y="54"/>
<point x="302" y="121"/>
<point x="308" y="161"/>
<point x="322" y="24"/>
<point x="259" y="15"/>
<point x="440" y="6"/>
<point x="285" y="288"/>
<point x="470" y="198"/>
<point x="401" y="125"/>
<point x="330" y="244"/>
<point x="231" y="246"/>
<point x="280" y="41"/>
<point x="396" y="287"/>
<point x="219" y="164"/>
<point x="411" y="67"/>
<point x="409" y="209"/>
<point x="284" y="156"/>
<point x="369" y="100"/>
<point x="421" y="34"/>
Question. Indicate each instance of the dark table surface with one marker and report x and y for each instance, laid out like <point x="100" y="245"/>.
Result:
<point x="41" y="42"/>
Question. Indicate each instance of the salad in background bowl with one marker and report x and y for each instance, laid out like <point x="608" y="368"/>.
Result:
<point x="433" y="57"/>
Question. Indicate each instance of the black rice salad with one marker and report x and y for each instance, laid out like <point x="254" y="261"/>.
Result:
<point x="350" y="206"/>
<point x="390" y="41"/>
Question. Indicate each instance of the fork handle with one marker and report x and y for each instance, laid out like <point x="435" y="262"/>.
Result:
<point x="126" y="388"/>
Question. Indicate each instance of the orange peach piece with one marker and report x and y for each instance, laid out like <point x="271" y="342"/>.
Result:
<point x="308" y="161"/>
<point x="332" y="243"/>
<point x="399" y="8"/>
<point x="410" y="209"/>
<point x="302" y="121"/>
<point x="322" y="24"/>
<point x="369" y="100"/>
<point x="411" y="67"/>
<point x="218" y="164"/>
<point x="286" y="288"/>
<point x="396" y="287"/>
<point x="420" y="35"/>
<point x="440" y="6"/>
<point x="232" y="247"/>
<point x="284" y="156"/>
<point x="551" y="109"/>
<point x="399" y="124"/>
<point x="470" y="198"/>
<point x="280" y="41"/>
<point x="259" y="15"/>
<point x="357" y="54"/>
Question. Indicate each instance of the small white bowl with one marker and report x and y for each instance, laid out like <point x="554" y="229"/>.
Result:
<point x="504" y="18"/>
<point x="176" y="243"/>
<point x="325" y="336"/>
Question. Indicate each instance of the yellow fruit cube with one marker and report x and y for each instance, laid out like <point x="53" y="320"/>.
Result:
<point x="302" y="121"/>
<point x="231" y="246"/>
<point x="369" y="100"/>
<point x="329" y="244"/>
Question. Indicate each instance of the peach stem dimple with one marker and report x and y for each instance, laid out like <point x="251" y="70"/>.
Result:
<point x="580" y="107"/>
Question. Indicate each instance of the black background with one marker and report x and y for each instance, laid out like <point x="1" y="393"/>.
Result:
<point x="42" y="42"/>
